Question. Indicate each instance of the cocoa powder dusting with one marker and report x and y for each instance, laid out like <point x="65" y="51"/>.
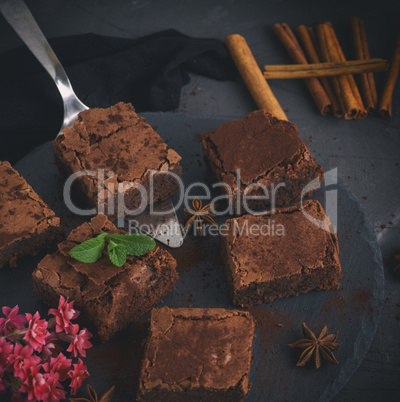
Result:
<point x="360" y="300"/>
<point x="269" y="323"/>
<point x="333" y="302"/>
<point x="197" y="250"/>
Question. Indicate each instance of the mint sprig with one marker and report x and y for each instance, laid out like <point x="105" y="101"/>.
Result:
<point x="117" y="253"/>
<point x="119" y="246"/>
<point x="90" y="250"/>
<point x="136" y="244"/>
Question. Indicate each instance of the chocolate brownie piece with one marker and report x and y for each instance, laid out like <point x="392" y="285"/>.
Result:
<point x="267" y="151"/>
<point x="121" y="148"/>
<point x="279" y="254"/>
<point x="110" y="297"/>
<point x="197" y="355"/>
<point x="27" y="224"/>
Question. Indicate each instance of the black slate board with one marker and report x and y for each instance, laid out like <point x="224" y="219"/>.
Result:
<point x="354" y="310"/>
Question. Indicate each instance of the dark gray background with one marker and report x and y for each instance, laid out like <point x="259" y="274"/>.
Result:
<point x="365" y="152"/>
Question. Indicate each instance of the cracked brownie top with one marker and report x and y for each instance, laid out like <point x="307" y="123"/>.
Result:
<point x="255" y="145"/>
<point x="301" y="245"/>
<point x="114" y="139"/>
<point x="22" y="211"/>
<point x="193" y="348"/>
<point x="84" y="282"/>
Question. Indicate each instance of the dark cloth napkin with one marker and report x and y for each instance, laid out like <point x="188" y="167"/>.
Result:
<point x="149" y="72"/>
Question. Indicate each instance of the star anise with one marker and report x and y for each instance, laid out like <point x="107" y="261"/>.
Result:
<point x="198" y="214"/>
<point x="93" y="396"/>
<point x="323" y="346"/>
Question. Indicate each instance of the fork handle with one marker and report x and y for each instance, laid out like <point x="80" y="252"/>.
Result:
<point x="20" y="18"/>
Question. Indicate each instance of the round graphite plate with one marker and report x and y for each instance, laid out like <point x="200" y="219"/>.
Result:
<point x="354" y="310"/>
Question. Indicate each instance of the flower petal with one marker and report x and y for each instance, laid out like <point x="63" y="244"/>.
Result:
<point x="209" y="219"/>
<point x="307" y="332"/>
<point x="197" y="204"/>
<point x="107" y="396"/>
<point x="301" y="344"/>
<point x="328" y="355"/>
<point x="323" y="333"/>
<point x="317" y="357"/>
<point x="330" y="337"/>
<point x="305" y="356"/>
<point x="92" y="393"/>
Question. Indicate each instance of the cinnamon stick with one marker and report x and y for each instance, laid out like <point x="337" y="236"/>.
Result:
<point x="331" y="52"/>
<point x="385" y="104"/>
<point x="294" y="50"/>
<point x="321" y="70"/>
<point x="325" y="56"/>
<point x="367" y="82"/>
<point x="252" y="76"/>
<point x="362" y="112"/>
<point x="310" y="44"/>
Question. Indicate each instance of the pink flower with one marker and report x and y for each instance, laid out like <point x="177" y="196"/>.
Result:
<point x="20" y="354"/>
<point x="34" y="383"/>
<point x="64" y="314"/>
<point x="3" y="383"/>
<point x="51" y="347"/>
<point x="79" y="341"/>
<point x="59" y="365"/>
<point x="37" y="331"/>
<point x="77" y="375"/>
<point x="53" y="390"/>
<point x="13" y="320"/>
<point x="6" y="349"/>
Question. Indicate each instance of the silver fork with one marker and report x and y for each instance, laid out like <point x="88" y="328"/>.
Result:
<point x="20" y="18"/>
<point x="163" y="227"/>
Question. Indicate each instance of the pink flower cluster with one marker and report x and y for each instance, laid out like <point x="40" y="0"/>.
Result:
<point x="32" y="362"/>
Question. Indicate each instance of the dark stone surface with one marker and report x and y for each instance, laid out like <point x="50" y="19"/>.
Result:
<point x="354" y="310"/>
<point x="365" y="152"/>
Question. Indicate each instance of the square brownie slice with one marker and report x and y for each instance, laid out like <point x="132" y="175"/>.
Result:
<point x="279" y="254"/>
<point x="110" y="297"/>
<point x="123" y="151"/>
<point x="27" y="224"/>
<point x="267" y="151"/>
<point x="195" y="354"/>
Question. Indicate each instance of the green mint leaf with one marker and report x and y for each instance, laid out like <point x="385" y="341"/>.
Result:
<point x="117" y="253"/>
<point x="90" y="250"/>
<point x="136" y="244"/>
